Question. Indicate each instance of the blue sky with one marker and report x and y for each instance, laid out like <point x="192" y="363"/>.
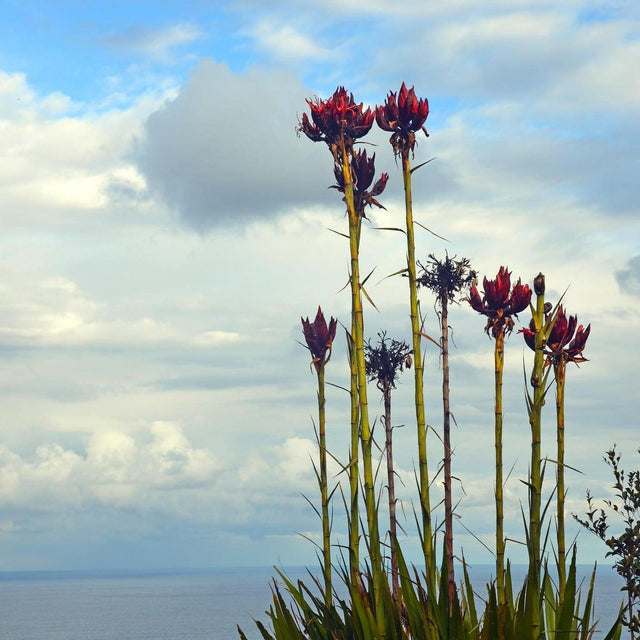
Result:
<point x="162" y="230"/>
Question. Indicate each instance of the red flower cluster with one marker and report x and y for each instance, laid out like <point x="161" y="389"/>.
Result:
<point x="403" y="116"/>
<point x="362" y="172"/>
<point x="499" y="301"/>
<point x="336" y="121"/>
<point x="566" y="342"/>
<point x="319" y="338"/>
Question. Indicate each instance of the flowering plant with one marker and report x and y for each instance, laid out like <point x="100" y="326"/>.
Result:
<point x="319" y="338"/>
<point x="499" y="301"/>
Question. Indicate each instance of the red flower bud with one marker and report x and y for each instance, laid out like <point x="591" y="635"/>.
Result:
<point x="403" y="115"/>
<point x="560" y="347"/>
<point x="499" y="302"/>
<point x="337" y="120"/>
<point x="319" y="338"/>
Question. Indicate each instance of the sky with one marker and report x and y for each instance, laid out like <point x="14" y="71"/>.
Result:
<point x="163" y="229"/>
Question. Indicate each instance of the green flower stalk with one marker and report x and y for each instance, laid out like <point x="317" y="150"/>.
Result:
<point x="564" y="344"/>
<point x="339" y="122"/>
<point x="384" y="363"/>
<point x="541" y="326"/>
<point x="354" y="177"/>
<point x="353" y="512"/>
<point x="319" y="338"/>
<point x="446" y="278"/>
<point x="403" y="115"/>
<point x="500" y="303"/>
<point x="362" y="170"/>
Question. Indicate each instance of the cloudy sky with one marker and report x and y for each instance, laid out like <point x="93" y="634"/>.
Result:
<point x="162" y="230"/>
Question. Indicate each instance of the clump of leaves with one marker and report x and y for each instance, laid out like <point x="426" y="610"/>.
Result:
<point x="624" y="547"/>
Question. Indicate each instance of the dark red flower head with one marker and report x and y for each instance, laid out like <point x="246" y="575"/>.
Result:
<point x="362" y="173"/>
<point x="500" y="301"/>
<point x="565" y="343"/>
<point x="319" y="338"/>
<point x="336" y="121"/>
<point x="403" y="115"/>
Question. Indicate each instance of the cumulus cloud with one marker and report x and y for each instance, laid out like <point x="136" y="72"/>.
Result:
<point x="224" y="151"/>
<point x="61" y="163"/>
<point x="116" y="471"/>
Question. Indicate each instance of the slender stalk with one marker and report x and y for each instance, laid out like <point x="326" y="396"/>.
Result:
<point x="353" y="516"/>
<point x="365" y="430"/>
<point x="393" y="529"/>
<point x="559" y="371"/>
<point x="425" y="506"/>
<point x="535" y="472"/>
<point x="499" y="368"/>
<point x="324" y="489"/>
<point x="448" y="502"/>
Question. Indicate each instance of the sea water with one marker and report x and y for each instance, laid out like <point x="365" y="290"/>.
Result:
<point x="176" y="605"/>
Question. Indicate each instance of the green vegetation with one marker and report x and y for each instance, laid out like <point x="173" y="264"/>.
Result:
<point x="394" y="600"/>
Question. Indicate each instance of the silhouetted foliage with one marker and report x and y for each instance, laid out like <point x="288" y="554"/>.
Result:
<point x="446" y="277"/>
<point x="385" y="361"/>
<point x="624" y="547"/>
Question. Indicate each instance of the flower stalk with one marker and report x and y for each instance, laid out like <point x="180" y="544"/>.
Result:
<point x="499" y="480"/>
<point x="500" y="304"/>
<point x="416" y="333"/>
<point x="446" y="278"/>
<point x="538" y="381"/>
<point x="384" y="363"/>
<point x="564" y="343"/>
<point x="403" y="114"/>
<point x="339" y="121"/>
<point x="319" y="338"/>
<point x="363" y="405"/>
<point x="559" y="371"/>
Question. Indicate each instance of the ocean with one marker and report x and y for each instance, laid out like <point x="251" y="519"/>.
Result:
<point x="172" y="605"/>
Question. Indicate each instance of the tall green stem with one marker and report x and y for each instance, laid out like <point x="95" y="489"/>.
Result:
<point x="393" y="529"/>
<point x="448" y="501"/>
<point x="559" y="371"/>
<point x="365" y="430"/>
<point x="324" y="489"/>
<point x="353" y="516"/>
<point x="499" y="368"/>
<point x="425" y="506"/>
<point x="535" y="472"/>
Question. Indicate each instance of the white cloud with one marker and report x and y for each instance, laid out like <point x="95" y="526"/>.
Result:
<point x="286" y="43"/>
<point x="57" y="165"/>
<point x="116" y="471"/>
<point x="52" y="311"/>
<point x="118" y="325"/>
<point x="157" y="44"/>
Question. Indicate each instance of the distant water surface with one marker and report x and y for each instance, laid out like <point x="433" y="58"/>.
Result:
<point x="173" y="605"/>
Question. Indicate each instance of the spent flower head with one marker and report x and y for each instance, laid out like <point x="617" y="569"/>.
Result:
<point x="500" y="302"/>
<point x="386" y="360"/>
<point x="338" y="121"/>
<point x="403" y="114"/>
<point x="319" y="338"/>
<point x="566" y="341"/>
<point x="446" y="277"/>
<point x="362" y="173"/>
